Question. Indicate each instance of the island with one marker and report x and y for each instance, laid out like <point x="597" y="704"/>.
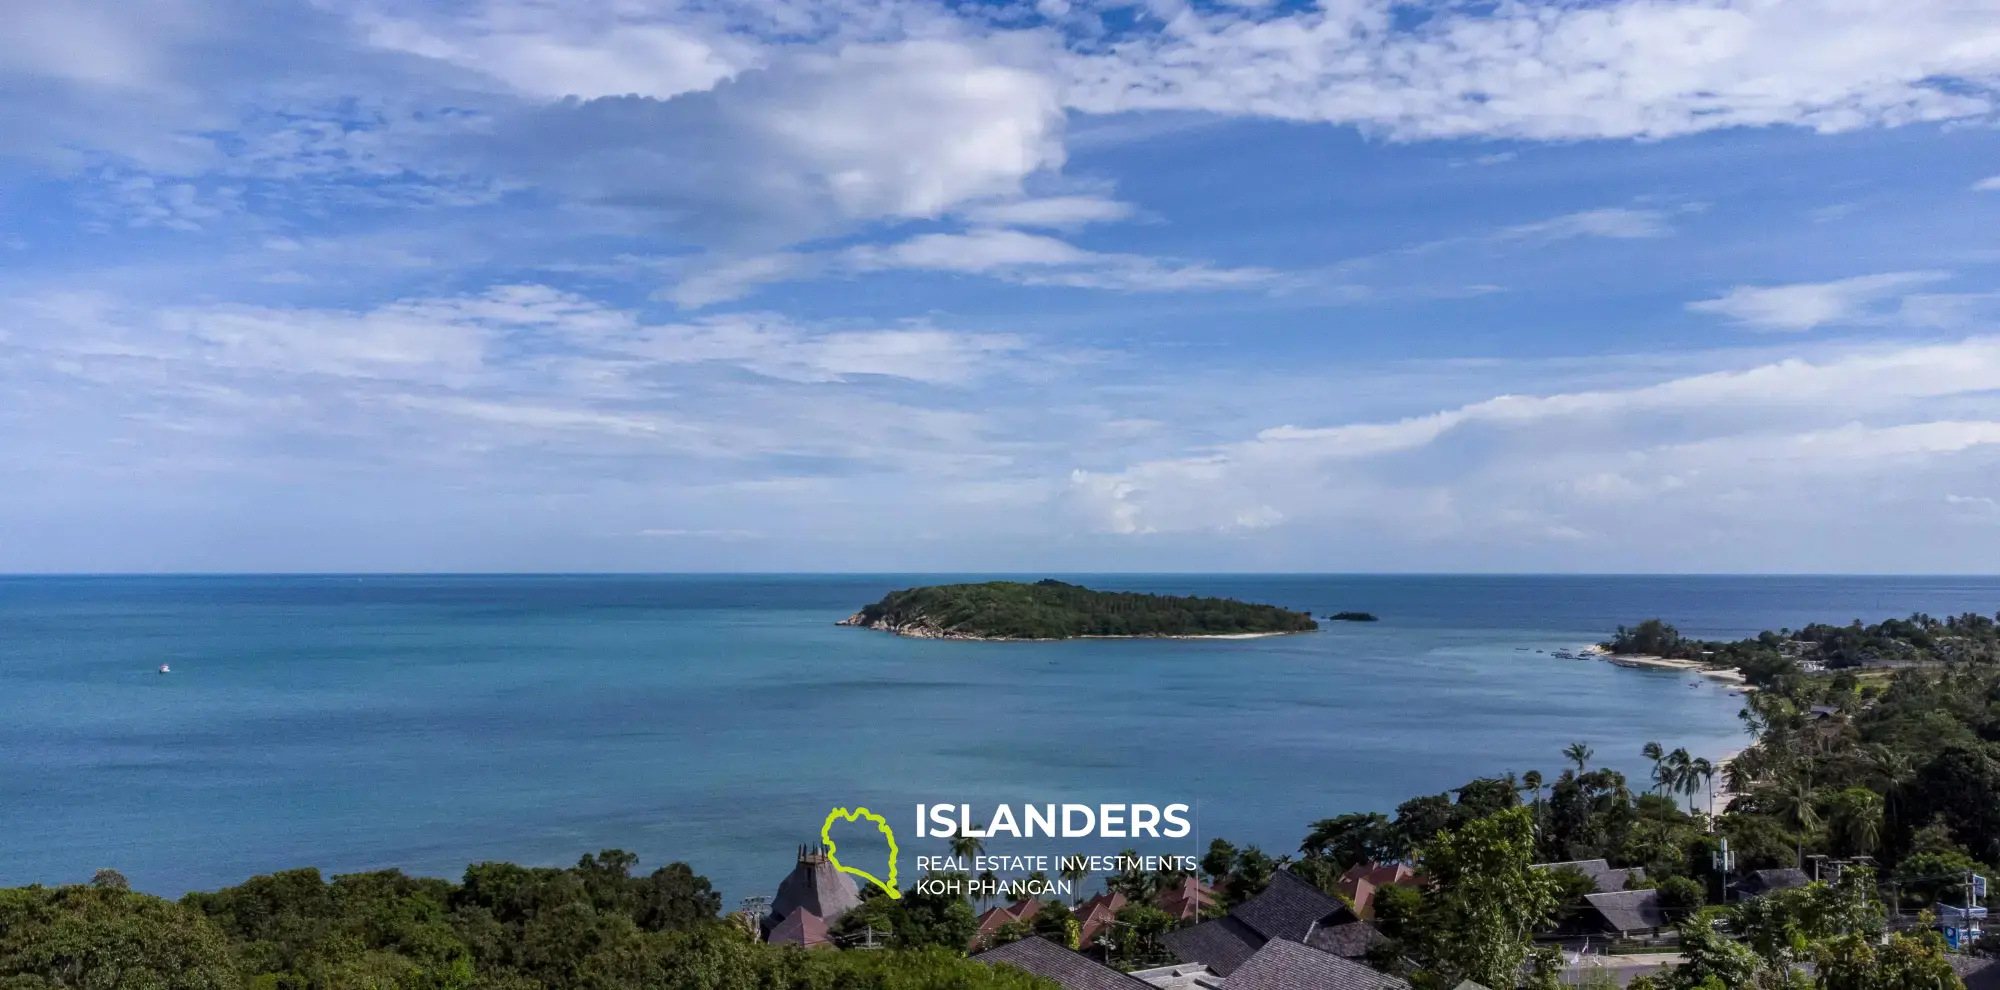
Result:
<point x="1353" y="617"/>
<point x="1051" y="609"/>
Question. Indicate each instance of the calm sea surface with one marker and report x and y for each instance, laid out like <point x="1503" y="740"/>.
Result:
<point x="426" y="722"/>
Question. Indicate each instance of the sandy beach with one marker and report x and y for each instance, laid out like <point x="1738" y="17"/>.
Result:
<point x="1729" y="674"/>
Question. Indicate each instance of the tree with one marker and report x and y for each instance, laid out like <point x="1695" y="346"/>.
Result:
<point x="675" y="897"/>
<point x="964" y="847"/>
<point x="105" y="937"/>
<point x="1057" y="921"/>
<point x="1485" y="904"/>
<point x="1681" y="896"/>
<point x="1907" y="962"/>
<point x="1136" y="940"/>
<point x="1532" y="780"/>
<point x="1652" y="751"/>
<point x="986" y="888"/>
<point x="934" y="918"/>
<point x="1350" y="839"/>
<point x="1075" y="869"/>
<point x="1854" y="821"/>
<point x="1219" y="861"/>
<point x="1579" y="754"/>
<point x="1252" y="873"/>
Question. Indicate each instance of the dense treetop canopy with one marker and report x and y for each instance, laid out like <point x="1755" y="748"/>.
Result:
<point x="1052" y="609"/>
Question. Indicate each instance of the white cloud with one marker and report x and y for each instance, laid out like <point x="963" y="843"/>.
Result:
<point x="1991" y="184"/>
<point x="1544" y="71"/>
<point x="1054" y="212"/>
<point x="1562" y="457"/>
<point x="1617" y="223"/>
<point x="801" y="148"/>
<point x="1807" y="305"/>
<point x="550" y="52"/>
<point x="1033" y="259"/>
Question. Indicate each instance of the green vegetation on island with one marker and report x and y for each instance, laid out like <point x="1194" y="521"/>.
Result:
<point x="1919" y="640"/>
<point x="1051" y="609"/>
<point x="1353" y="617"/>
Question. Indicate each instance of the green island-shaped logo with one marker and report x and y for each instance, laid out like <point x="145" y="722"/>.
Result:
<point x="833" y="852"/>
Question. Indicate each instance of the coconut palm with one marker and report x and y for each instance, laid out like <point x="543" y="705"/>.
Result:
<point x="1654" y="752"/>
<point x="1074" y="869"/>
<point x="1578" y="754"/>
<point x="1703" y="773"/>
<point x="965" y="847"/>
<point x="989" y="888"/>
<point x="1532" y="780"/>
<point x="1796" y="805"/>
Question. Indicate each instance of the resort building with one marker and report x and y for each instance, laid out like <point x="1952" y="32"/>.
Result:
<point x="1362" y="880"/>
<point x="1761" y="882"/>
<point x="995" y="918"/>
<point x="1289" y="910"/>
<point x="1069" y="970"/>
<point x="811" y="898"/>
<point x="1626" y="913"/>
<point x="1608" y="878"/>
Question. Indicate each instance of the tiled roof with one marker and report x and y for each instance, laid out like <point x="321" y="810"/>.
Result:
<point x="1629" y="910"/>
<point x="1070" y="970"/>
<point x="1289" y="908"/>
<point x="802" y="928"/>
<point x="1185" y="899"/>
<point x="1349" y="941"/>
<point x="1222" y="943"/>
<point x="1282" y="965"/>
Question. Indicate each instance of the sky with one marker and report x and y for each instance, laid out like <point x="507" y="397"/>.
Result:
<point x="1061" y="285"/>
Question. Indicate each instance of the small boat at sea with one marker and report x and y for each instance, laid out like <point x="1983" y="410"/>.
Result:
<point x="165" y="670"/>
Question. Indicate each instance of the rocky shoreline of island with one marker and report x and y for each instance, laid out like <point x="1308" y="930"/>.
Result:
<point x="930" y="630"/>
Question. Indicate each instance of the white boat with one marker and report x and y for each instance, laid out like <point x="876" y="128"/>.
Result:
<point x="164" y="669"/>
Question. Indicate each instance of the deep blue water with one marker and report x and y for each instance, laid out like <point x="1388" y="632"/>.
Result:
<point x="427" y="722"/>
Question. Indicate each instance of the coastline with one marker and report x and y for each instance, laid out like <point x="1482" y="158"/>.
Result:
<point x="1641" y="661"/>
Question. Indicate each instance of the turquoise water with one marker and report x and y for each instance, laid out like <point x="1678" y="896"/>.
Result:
<point x="427" y="722"/>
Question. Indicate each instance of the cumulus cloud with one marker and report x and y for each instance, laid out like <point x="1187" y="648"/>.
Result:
<point x="1991" y="184"/>
<point x="814" y="142"/>
<point x="1806" y="305"/>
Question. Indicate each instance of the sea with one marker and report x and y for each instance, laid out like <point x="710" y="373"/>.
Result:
<point x="427" y="722"/>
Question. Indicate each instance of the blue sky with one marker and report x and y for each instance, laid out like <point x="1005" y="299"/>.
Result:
<point x="1063" y="286"/>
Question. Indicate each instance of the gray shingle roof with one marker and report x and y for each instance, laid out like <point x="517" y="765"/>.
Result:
<point x="1282" y="965"/>
<point x="814" y="884"/>
<point x="1222" y="943"/>
<point x="1070" y="970"/>
<point x="1349" y="941"/>
<point x="1978" y="972"/>
<point x="1607" y="877"/>
<point x="1289" y="908"/>
<point x="801" y="927"/>
<point x="1629" y="910"/>
<point x="1765" y="881"/>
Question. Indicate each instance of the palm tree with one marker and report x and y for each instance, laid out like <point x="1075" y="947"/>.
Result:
<point x="989" y="888"/>
<point x="1532" y="780"/>
<point x="1652" y="751"/>
<point x="1704" y="771"/>
<point x="1578" y="754"/>
<point x="1074" y="869"/>
<point x="1795" y="804"/>
<point x="1680" y="775"/>
<point x="967" y="847"/>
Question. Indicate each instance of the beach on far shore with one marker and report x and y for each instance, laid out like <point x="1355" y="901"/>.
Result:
<point x="1730" y="674"/>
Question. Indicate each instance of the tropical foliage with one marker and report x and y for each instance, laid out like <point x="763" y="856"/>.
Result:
<point x="1051" y="609"/>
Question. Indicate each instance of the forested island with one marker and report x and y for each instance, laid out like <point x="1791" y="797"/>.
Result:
<point x="1051" y="609"/>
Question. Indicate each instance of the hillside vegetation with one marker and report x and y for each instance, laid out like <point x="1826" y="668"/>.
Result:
<point x="1052" y="609"/>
